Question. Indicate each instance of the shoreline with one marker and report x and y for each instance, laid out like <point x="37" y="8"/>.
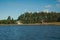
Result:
<point x="50" y="23"/>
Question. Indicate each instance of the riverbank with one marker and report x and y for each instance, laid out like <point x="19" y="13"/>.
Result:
<point x="49" y="23"/>
<point x="54" y="23"/>
<point x="25" y="24"/>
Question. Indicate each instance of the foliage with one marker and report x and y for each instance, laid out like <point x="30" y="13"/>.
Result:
<point x="38" y="17"/>
<point x="9" y="18"/>
<point x="8" y="21"/>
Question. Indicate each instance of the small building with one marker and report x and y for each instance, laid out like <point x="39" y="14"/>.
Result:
<point x="18" y="22"/>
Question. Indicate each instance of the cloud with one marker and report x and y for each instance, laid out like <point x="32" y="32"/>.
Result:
<point x="58" y="5"/>
<point x="58" y="0"/>
<point x="48" y="6"/>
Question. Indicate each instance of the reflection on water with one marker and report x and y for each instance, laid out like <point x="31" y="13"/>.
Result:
<point x="42" y="32"/>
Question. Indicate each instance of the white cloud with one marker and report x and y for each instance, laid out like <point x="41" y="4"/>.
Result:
<point x="58" y="0"/>
<point x="58" y="5"/>
<point x="48" y="6"/>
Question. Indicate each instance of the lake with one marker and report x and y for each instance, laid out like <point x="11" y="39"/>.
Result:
<point x="30" y="32"/>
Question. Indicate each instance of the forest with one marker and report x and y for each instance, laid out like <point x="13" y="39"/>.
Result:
<point x="38" y="17"/>
<point x="33" y="17"/>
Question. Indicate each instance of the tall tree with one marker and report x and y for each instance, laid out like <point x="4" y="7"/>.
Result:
<point x="58" y="20"/>
<point x="9" y="18"/>
<point x="38" y="17"/>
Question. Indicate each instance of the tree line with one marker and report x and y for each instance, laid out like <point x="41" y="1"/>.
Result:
<point x="9" y="20"/>
<point x="36" y="17"/>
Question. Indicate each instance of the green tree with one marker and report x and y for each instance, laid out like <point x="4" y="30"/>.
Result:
<point x="9" y="18"/>
<point x="38" y="17"/>
<point x="58" y="20"/>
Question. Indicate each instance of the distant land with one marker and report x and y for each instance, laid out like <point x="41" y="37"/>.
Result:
<point x="34" y="18"/>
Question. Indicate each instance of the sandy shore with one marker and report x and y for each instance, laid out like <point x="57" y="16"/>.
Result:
<point x="24" y="24"/>
<point x="50" y="23"/>
<point x="54" y="23"/>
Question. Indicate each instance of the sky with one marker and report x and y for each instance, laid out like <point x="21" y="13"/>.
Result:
<point x="14" y="8"/>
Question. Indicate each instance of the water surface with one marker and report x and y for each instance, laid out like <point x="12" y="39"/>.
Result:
<point x="31" y="32"/>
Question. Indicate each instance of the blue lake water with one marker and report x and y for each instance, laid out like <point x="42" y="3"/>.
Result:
<point x="37" y="32"/>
